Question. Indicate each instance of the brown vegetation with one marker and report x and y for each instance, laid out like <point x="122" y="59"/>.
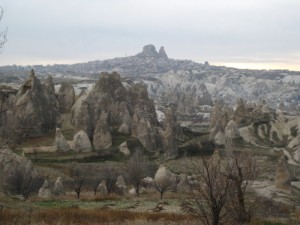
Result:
<point x="73" y="216"/>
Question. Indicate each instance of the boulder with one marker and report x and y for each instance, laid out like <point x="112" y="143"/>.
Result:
<point x="60" y="141"/>
<point x="66" y="97"/>
<point x="102" y="188"/>
<point x="102" y="137"/>
<point x="121" y="185"/>
<point x="132" y="192"/>
<point x="124" y="149"/>
<point x="283" y="177"/>
<point x="58" y="188"/>
<point x="44" y="191"/>
<point x="81" y="142"/>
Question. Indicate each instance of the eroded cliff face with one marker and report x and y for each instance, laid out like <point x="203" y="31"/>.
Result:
<point x="128" y="111"/>
<point x="33" y="111"/>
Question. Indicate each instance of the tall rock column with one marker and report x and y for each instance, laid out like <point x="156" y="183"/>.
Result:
<point x="168" y="139"/>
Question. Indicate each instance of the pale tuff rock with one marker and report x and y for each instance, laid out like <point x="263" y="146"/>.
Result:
<point x="81" y="142"/>
<point x="240" y="114"/>
<point x="58" y="188"/>
<point x="283" y="177"/>
<point x="66" y="97"/>
<point x="295" y="146"/>
<point x="129" y="111"/>
<point x="168" y="138"/>
<point x="124" y="148"/>
<point x="49" y="85"/>
<point x="132" y="192"/>
<point x="231" y="130"/>
<point x="102" y="188"/>
<point x="147" y="182"/>
<point x="163" y="173"/>
<point x="144" y="130"/>
<point x="121" y="185"/>
<point x="219" y="120"/>
<point x="60" y="141"/>
<point x="45" y="191"/>
<point x="38" y="108"/>
<point x="102" y="137"/>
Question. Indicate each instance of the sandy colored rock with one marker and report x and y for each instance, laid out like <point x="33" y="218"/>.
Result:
<point x="283" y="177"/>
<point x="81" y="142"/>
<point x="60" y="141"/>
<point x="102" y="137"/>
<point x="102" y="188"/>
<point x="45" y="191"/>
<point x="58" y="188"/>
<point x="66" y="97"/>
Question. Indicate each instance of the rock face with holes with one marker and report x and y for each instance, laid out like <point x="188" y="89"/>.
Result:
<point x="110" y="107"/>
<point x="66" y="97"/>
<point x="33" y="111"/>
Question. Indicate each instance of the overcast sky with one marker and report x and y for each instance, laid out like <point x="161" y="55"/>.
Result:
<point x="242" y="33"/>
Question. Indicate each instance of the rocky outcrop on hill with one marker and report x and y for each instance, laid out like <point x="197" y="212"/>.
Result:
<point x="128" y="111"/>
<point x="33" y="110"/>
<point x="283" y="177"/>
<point x="60" y="141"/>
<point x="66" y="97"/>
<point x="162" y="53"/>
<point x="81" y="142"/>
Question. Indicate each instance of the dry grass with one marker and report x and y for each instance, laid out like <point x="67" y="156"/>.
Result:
<point x="73" y="216"/>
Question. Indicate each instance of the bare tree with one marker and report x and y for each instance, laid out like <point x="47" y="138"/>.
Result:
<point x="209" y="190"/>
<point x="137" y="169"/>
<point x="78" y="179"/>
<point x="241" y="168"/>
<point x="110" y="177"/>
<point x="2" y="33"/>
<point x="163" y="184"/>
<point x="21" y="181"/>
